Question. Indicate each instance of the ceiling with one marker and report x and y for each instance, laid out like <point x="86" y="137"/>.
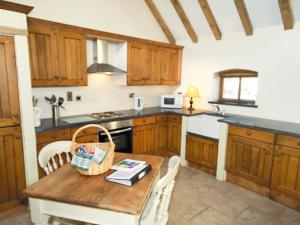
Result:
<point x="262" y="13"/>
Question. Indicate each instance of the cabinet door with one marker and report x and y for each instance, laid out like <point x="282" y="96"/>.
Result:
<point x="12" y="174"/>
<point x="202" y="152"/>
<point x="286" y="171"/>
<point x="249" y="159"/>
<point x="170" y="66"/>
<point x="143" y="139"/>
<point x="161" y="138"/>
<point x="72" y="58"/>
<point x="9" y="100"/>
<point x="174" y="137"/>
<point x="43" y="56"/>
<point x="135" y="64"/>
<point x="152" y="64"/>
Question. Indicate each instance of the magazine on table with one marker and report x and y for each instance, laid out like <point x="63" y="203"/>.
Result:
<point x="128" y="165"/>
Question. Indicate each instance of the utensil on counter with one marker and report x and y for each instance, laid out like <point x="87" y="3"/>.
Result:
<point x="60" y="102"/>
<point x="48" y="100"/>
<point x="35" y="101"/>
<point x="53" y="99"/>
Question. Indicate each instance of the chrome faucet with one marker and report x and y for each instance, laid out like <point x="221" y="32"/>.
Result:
<point x="217" y="107"/>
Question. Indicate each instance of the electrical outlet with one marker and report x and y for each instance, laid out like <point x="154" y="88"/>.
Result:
<point x="69" y="96"/>
<point x="78" y="98"/>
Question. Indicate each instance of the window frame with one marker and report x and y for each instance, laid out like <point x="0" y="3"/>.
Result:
<point x="235" y="73"/>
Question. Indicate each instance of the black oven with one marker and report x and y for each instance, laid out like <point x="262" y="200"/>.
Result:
<point x="122" y="137"/>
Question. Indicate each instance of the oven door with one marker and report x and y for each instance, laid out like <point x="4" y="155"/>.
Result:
<point x="121" y="137"/>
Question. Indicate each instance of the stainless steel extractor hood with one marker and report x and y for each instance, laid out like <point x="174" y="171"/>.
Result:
<point x="101" y="65"/>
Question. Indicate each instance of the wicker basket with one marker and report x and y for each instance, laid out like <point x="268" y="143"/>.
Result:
<point x="95" y="168"/>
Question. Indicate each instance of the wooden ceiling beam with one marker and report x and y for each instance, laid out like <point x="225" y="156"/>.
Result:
<point x="160" y="21"/>
<point x="185" y="21"/>
<point x="243" y="13"/>
<point x="210" y="19"/>
<point x="286" y="14"/>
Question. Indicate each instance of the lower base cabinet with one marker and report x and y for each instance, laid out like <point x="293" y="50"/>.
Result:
<point x="12" y="171"/>
<point x="285" y="186"/>
<point x="143" y="139"/>
<point x="202" y="153"/>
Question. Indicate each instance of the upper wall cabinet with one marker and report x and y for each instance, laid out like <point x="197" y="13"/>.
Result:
<point x="57" y="56"/>
<point x="153" y="65"/>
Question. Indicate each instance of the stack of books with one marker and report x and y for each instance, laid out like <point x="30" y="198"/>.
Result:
<point x="128" y="172"/>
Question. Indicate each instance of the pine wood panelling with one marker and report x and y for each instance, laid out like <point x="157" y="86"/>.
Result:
<point x="135" y="64"/>
<point x="185" y="21"/>
<point x="15" y="7"/>
<point x="160" y="21"/>
<point x="286" y="175"/>
<point x="152" y="65"/>
<point x="293" y="142"/>
<point x="286" y="14"/>
<point x="170" y="66"/>
<point x="243" y="13"/>
<point x="252" y="134"/>
<point x="143" y="139"/>
<point x="144" y="120"/>
<point x="12" y="172"/>
<point x="249" y="159"/>
<point x="202" y="152"/>
<point x="9" y="100"/>
<point x="43" y="56"/>
<point x="210" y="19"/>
<point x="72" y="58"/>
<point x="161" y="138"/>
<point x="174" y="137"/>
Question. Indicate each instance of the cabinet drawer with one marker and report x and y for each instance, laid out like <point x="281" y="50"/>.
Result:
<point x="289" y="141"/>
<point x="161" y="118"/>
<point x="144" y="121"/>
<point x="174" y="118"/>
<point x="50" y="136"/>
<point x="87" y="131"/>
<point x="253" y="134"/>
<point x="87" y="139"/>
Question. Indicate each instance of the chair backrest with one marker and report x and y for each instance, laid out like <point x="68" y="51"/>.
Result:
<point x="47" y="155"/>
<point x="156" y="212"/>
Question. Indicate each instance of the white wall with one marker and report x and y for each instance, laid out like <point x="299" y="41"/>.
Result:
<point x="271" y="51"/>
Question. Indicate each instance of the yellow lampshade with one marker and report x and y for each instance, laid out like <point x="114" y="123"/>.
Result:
<point x="192" y="92"/>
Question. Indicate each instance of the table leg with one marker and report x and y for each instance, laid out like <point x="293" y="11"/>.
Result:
<point x="37" y="217"/>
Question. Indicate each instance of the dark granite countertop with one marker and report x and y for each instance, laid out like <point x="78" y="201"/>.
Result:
<point x="48" y="125"/>
<point x="275" y="126"/>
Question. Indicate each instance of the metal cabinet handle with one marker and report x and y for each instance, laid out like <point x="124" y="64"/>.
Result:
<point x="248" y="133"/>
<point x="18" y="137"/>
<point x="298" y="143"/>
<point x="53" y="136"/>
<point x="277" y="154"/>
<point x="268" y="152"/>
<point x="56" y="77"/>
<point x="63" y="77"/>
<point x="15" y="114"/>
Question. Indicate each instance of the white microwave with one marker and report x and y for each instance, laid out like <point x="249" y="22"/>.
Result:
<point x="171" y="101"/>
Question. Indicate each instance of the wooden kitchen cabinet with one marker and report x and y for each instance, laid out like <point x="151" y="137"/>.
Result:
<point x="143" y="141"/>
<point x="202" y="152"/>
<point x="9" y="100"/>
<point x="153" y="65"/>
<point x="12" y="172"/>
<point x="57" y="55"/>
<point x="170" y="66"/>
<point x="174" y="134"/>
<point x="161" y="134"/>
<point x="286" y="171"/>
<point x="249" y="163"/>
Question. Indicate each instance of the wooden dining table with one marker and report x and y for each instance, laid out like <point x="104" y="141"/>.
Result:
<point x="68" y="194"/>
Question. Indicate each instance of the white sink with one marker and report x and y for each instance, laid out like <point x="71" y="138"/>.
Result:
<point x="205" y="125"/>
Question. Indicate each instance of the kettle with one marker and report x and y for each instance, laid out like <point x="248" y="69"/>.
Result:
<point x="139" y="103"/>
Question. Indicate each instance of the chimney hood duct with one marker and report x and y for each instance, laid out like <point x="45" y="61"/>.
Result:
<point x="101" y="65"/>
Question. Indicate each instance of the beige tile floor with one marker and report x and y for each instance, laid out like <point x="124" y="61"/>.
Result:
<point x="198" y="199"/>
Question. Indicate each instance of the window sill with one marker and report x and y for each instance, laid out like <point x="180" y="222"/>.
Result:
<point x="251" y="105"/>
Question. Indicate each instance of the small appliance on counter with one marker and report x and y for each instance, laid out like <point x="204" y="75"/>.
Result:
<point x="171" y="101"/>
<point x="139" y="103"/>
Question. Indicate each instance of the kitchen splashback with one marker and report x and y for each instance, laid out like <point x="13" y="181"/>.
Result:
<point x="103" y="93"/>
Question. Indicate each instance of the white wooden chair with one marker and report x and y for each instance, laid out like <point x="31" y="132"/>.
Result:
<point x="156" y="210"/>
<point x="47" y="161"/>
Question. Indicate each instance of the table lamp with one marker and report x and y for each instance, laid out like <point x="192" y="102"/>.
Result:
<point x="192" y="92"/>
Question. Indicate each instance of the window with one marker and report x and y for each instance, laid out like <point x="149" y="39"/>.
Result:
<point x="238" y="86"/>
